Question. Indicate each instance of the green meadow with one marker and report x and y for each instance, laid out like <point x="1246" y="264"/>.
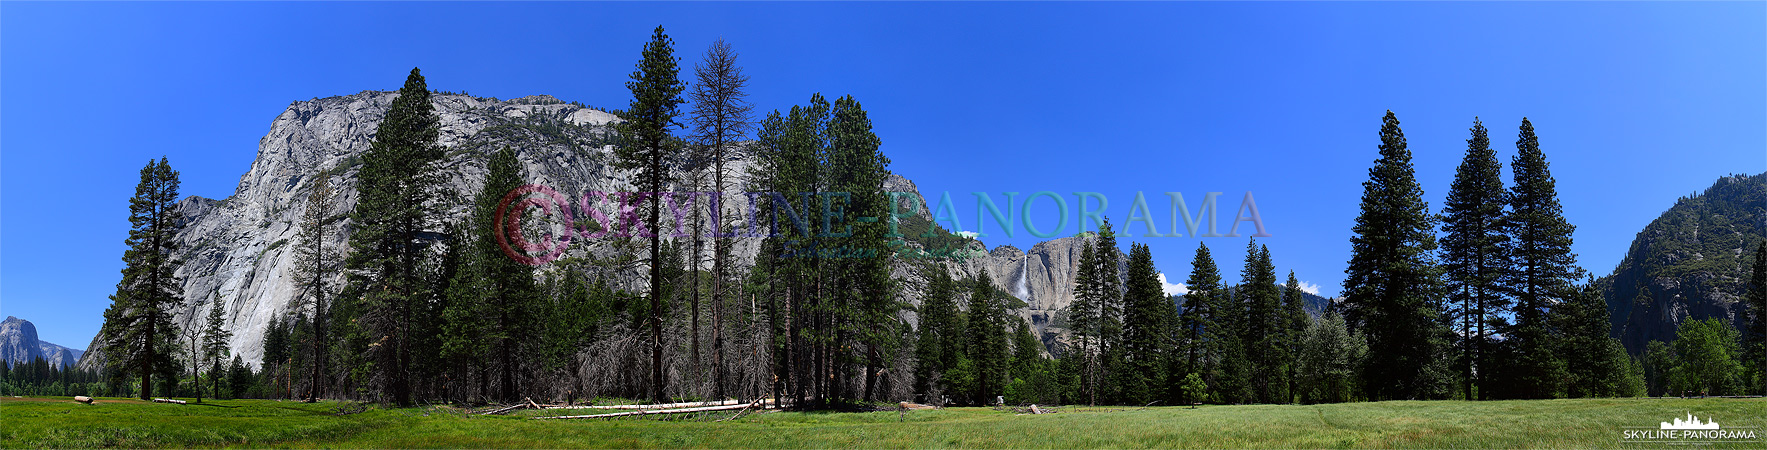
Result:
<point x="1581" y="423"/>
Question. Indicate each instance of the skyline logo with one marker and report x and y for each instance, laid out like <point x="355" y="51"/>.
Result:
<point x="1692" y="423"/>
<point x="1689" y="430"/>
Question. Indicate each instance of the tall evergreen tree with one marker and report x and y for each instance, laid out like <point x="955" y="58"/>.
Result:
<point x="1598" y="366"/>
<point x="649" y="149"/>
<point x="1757" y="323"/>
<point x="1082" y="319"/>
<point x="504" y="287"/>
<point x="1542" y="275"/>
<point x="720" y="118"/>
<point x="1111" y="355"/>
<point x="790" y="151"/>
<point x="1201" y="318"/>
<point x="315" y="265"/>
<point x="1475" y="256"/>
<point x="390" y="218"/>
<point x="1295" y="311"/>
<point x="1265" y="325"/>
<point x="987" y="339"/>
<point x="137" y="336"/>
<point x="864" y="289"/>
<point x="1390" y="285"/>
<point x="940" y="341"/>
<point x="1148" y="318"/>
<point x="214" y="343"/>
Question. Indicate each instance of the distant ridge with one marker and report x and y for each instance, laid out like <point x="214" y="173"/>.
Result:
<point x="19" y="344"/>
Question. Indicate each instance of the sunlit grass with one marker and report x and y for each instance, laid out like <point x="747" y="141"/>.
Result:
<point x="61" y="423"/>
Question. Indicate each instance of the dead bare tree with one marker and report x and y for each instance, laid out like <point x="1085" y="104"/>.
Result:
<point x="720" y="118"/>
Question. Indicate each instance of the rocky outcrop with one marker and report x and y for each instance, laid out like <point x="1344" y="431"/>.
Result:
<point x="1689" y="263"/>
<point x="19" y="343"/>
<point x="238" y="251"/>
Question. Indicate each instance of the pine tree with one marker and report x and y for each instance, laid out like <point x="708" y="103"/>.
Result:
<point x="939" y="343"/>
<point x="1082" y="320"/>
<point x="1111" y="356"/>
<point x="137" y="335"/>
<point x="504" y="288"/>
<point x="1475" y="256"/>
<point x="1147" y="320"/>
<point x="1542" y="273"/>
<point x="1584" y="343"/>
<point x="1265" y="325"/>
<point x="214" y="343"/>
<point x="720" y="118"/>
<point x="789" y="154"/>
<point x="1201" y="321"/>
<point x="649" y="149"/>
<point x="987" y="339"/>
<point x="1295" y="311"/>
<point x="391" y="215"/>
<point x="1390" y="285"/>
<point x="315" y="264"/>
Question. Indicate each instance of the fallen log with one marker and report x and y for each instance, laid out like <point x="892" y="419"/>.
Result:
<point x="83" y="399"/>
<point x="1034" y="409"/>
<point x="916" y="406"/>
<point x="657" y="406"/>
<point x="168" y="400"/>
<point x="643" y="412"/>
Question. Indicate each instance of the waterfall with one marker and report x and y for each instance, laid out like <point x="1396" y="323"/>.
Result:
<point x="1019" y="288"/>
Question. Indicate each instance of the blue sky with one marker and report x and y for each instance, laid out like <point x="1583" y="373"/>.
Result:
<point x="1636" y="103"/>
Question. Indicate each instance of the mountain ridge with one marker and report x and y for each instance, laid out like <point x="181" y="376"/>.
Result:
<point x="19" y="344"/>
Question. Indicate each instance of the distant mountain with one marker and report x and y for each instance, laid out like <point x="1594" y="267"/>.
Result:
<point x="18" y="343"/>
<point x="1691" y="262"/>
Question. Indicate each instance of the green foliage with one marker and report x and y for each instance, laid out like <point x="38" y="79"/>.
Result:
<point x="1391" y="285"/>
<point x="1330" y="357"/>
<point x="1475" y="257"/>
<point x="386" y="281"/>
<point x="1194" y="389"/>
<point x="1706" y="358"/>
<point x="1149" y="318"/>
<point x="940" y="341"/>
<point x="137" y="335"/>
<point x="1264" y="329"/>
<point x="1597" y="364"/>
<point x="987" y="349"/>
<point x="1541" y="276"/>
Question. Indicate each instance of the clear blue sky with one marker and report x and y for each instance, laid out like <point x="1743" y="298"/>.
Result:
<point x="1636" y="103"/>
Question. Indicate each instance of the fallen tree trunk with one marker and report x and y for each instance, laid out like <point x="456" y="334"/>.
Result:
<point x="658" y="406"/>
<point x="167" y="400"/>
<point x="643" y="412"/>
<point x="83" y="399"/>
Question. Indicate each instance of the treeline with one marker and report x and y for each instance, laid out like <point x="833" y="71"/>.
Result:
<point x="422" y="308"/>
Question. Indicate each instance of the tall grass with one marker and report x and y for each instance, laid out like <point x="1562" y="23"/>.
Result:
<point x="61" y="423"/>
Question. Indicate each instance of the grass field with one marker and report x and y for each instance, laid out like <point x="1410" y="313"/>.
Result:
<point x="62" y="423"/>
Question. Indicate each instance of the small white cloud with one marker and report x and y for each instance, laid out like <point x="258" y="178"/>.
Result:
<point x="967" y="234"/>
<point x="1172" y="288"/>
<point x="1309" y="288"/>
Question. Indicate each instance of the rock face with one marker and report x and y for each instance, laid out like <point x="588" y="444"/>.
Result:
<point x="19" y="344"/>
<point x="238" y="251"/>
<point x="1690" y="263"/>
